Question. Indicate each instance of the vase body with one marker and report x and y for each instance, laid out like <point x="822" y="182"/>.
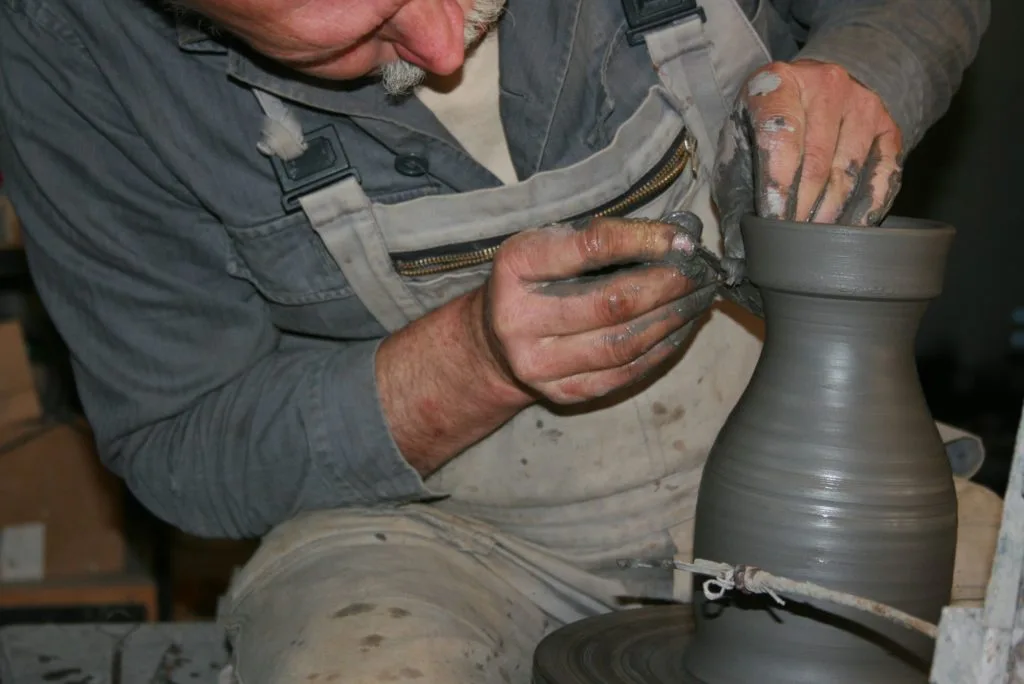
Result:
<point x="830" y="468"/>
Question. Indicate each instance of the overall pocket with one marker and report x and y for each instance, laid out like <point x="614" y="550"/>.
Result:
<point x="306" y="292"/>
<point x="287" y="261"/>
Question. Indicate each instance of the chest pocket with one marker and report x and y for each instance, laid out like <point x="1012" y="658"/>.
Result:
<point x="287" y="263"/>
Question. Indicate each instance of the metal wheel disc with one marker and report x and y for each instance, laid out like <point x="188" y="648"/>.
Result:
<point x="637" y="646"/>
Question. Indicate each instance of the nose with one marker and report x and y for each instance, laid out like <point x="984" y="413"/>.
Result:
<point x="429" y="34"/>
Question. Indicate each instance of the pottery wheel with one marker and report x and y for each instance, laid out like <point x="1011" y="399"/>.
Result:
<point x="641" y="646"/>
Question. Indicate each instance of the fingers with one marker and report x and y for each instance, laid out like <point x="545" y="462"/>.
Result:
<point x="611" y="347"/>
<point x="825" y="150"/>
<point x="878" y="183"/>
<point x="562" y="252"/>
<point x="586" y="386"/>
<point x="852" y="152"/>
<point x="824" y="108"/>
<point x="569" y="307"/>
<point x="888" y="177"/>
<point x="733" y="187"/>
<point x="548" y="333"/>
<point x="779" y="125"/>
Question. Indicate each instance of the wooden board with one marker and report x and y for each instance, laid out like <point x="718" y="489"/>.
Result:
<point x="108" y="594"/>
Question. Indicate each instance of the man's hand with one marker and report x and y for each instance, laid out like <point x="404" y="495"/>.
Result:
<point x="806" y="142"/>
<point x="545" y="325"/>
<point x="569" y="336"/>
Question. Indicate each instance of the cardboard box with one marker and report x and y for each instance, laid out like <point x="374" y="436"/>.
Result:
<point x="63" y="548"/>
<point x="19" y="401"/>
<point x="10" y="226"/>
<point x="57" y="499"/>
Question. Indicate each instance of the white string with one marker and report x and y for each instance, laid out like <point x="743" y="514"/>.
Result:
<point x="715" y="589"/>
<point x="282" y="132"/>
<point x="751" y="580"/>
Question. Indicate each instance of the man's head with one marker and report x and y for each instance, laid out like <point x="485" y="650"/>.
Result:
<point x="401" y="40"/>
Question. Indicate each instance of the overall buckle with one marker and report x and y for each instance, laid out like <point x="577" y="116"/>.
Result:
<point x="649" y="15"/>
<point x="323" y="163"/>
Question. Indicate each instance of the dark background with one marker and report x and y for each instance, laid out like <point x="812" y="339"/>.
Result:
<point x="969" y="171"/>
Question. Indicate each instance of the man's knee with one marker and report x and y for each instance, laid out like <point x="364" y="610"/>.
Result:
<point x="388" y="639"/>
<point x="386" y="612"/>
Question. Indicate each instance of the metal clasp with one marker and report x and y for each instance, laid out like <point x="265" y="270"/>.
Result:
<point x="649" y="15"/>
<point x="323" y="163"/>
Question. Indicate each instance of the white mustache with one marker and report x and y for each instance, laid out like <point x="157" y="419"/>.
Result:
<point x="400" y="77"/>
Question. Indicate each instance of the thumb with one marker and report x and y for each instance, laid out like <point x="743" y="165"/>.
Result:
<point x="732" y="187"/>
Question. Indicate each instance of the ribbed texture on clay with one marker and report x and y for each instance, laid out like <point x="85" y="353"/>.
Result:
<point x="830" y="468"/>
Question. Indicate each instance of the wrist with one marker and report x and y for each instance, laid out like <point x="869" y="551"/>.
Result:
<point x="493" y="372"/>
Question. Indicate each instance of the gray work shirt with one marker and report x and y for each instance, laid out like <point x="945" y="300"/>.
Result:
<point x="224" y="363"/>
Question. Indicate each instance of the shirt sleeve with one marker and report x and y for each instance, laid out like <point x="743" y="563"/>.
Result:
<point x="912" y="53"/>
<point x="217" y="422"/>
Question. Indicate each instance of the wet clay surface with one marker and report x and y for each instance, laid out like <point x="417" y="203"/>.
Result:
<point x="830" y="468"/>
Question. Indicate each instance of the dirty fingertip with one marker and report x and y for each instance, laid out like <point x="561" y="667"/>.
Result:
<point x="764" y="83"/>
<point x="683" y="243"/>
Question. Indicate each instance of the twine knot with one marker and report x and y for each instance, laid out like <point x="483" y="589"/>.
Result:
<point x="745" y="578"/>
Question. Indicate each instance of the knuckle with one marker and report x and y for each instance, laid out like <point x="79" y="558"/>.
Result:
<point x="513" y="257"/>
<point x="832" y="73"/>
<point x="617" y="303"/>
<point x="592" y="242"/>
<point x="839" y="177"/>
<point x="622" y="348"/>
<point x="569" y="391"/>
<point x="523" y="364"/>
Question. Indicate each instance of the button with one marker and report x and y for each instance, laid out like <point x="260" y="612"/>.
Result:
<point x="412" y="165"/>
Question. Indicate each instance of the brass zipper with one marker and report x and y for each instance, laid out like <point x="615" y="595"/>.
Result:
<point x="455" y="257"/>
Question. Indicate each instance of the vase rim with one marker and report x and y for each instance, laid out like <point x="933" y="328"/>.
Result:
<point x="891" y="226"/>
<point x="904" y="258"/>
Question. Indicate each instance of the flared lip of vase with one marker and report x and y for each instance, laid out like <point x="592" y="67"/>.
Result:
<point x="904" y="258"/>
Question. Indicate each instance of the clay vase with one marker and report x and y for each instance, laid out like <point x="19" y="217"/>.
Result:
<point x="830" y="468"/>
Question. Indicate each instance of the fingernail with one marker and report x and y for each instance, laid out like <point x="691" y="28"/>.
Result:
<point x="683" y="243"/>
<point x="679" y="337"/>
<point x="694" y="303"/>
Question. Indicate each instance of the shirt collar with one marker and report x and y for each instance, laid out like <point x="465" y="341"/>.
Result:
<point x="194" y="35"/>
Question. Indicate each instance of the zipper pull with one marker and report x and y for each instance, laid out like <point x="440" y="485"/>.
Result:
<point x="690" y="145"/>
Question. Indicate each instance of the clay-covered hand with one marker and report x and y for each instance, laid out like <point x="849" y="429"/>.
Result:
<point x="558" y="321"/>
<point x="806" y="142"/>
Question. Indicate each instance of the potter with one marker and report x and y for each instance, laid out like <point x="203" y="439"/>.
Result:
<point x="304" y="255"/>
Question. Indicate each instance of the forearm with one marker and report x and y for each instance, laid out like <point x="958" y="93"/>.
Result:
<point x="912" y="53"/>
<point x="439" y="387"/>
<point x="298" y="430"/>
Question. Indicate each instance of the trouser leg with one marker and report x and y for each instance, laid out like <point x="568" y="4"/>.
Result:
<point x="332" y="598"/>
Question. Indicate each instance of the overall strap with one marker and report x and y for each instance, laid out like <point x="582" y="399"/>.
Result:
<point x="703" y="52"/>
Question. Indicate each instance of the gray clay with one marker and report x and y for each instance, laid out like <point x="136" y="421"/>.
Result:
<point x="830" y="468"/>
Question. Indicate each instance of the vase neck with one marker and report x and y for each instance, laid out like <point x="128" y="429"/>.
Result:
<point x="873" y="337"/>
